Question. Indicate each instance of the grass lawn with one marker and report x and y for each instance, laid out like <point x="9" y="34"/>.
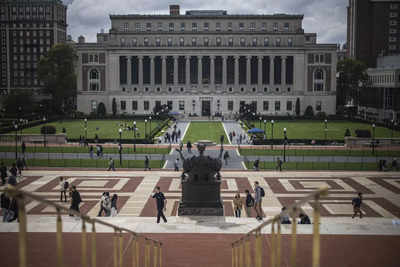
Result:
<point x="79" y="149"/>
<point x="205" y="131"/>
<point x="87" y="163"/>
<point x="306" y="129"/>
<point x="317" y="166"/>
<point x="103" y="128"/>
<point x="322" y="152"/>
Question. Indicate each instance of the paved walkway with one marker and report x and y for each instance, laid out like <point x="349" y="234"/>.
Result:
<point x="234" y="126"/>
<point x="180" y="125"/>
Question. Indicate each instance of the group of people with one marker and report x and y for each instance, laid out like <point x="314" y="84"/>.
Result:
<point x="108" y="205"/>
<point x="69" y="189"/>
<point x="382" y="165"/>
<point x="172" y="137"/>
<point x="240" y="138"/>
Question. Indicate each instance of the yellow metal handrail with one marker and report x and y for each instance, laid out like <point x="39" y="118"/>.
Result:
<point x="138" y="240"/>
<point x="244" y="243"/>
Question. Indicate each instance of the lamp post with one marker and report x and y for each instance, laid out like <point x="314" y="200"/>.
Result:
<point x="272" y="133"/>
<point x="145" y="128"/>
<point x="16" y="140"/>
<point x="260" y="119"/>
<point x="265" y="128"/>
<point x="326" y="129"/>
<point x="85" y="129"/>
<point x="150" y="125"/>
<point x="284" y="144"/>
<point x="44" y="132"/>
<point x="120" y="147"/>
<point x="134" y="132"/>
<point x="373" y="138"/>
<point x="393" y="125"/>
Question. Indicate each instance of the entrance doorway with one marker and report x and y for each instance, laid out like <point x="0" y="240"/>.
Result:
<point x="205" y="108"/>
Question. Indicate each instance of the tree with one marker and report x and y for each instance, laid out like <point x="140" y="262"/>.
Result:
<point x="17" y="104"/>
<point x="298" y="107"/>
<point x="57" y="72"/>
<point x="114" y="106"/>
<point x="101" y="110"/>
<point x="352" y="75"/>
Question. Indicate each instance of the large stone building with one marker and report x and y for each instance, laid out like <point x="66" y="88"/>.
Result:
<point x="206" y="63"/>
<point x="28" y="29"/>
<point x="380" y="99"/>
<point x="373" y="28"/>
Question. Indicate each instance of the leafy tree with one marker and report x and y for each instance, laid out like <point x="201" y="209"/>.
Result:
<point x="352" y="75"/>
<point x="57" y="72"/>
<point x="298" y="107"/>
<point x="101" y="110"/>
<point x="114" y="106"/>
<point x="17" y="104"/>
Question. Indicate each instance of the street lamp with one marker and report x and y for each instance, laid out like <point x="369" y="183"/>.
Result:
<point x="265" y="128"/>
<point x="16" y="140"/>
<point x="284" y="144"/>
<point x="393" y="125"/>
<point x="134" y="131"/>
<point x="85" y="129"/>
<point x="150" y="125"/>
<point x="120" y="147"/>
<point x="326" y="128"/>
<point x="145" y="128"/>
<point x="44" y="132"/>
<point x="272" y="133"/>
<point x="260" y="119"/>
<point x="373" y="138"/>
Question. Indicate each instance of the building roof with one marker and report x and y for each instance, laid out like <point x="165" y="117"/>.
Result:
<point x="208" y="15"/>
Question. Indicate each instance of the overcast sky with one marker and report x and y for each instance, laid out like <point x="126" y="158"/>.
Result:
<point x="325" y="17"/>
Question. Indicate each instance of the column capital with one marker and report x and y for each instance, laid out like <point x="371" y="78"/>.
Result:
<point x="272" y="56"/>
<point x="152" y="57"/>
<point x="140" y="57"/>
<point x="236" y="56"/>
<point x="284" y="57"/>
<point x="175" y="57"/>
<point x="212" y="57"/>
<point x="224" y="57"/>
<point x="260" y="58"/>
<point x="187" y="58"/>
<point x="248" y="57"/>
<point x="164" y="58"/>
<point x="199" y="56"/>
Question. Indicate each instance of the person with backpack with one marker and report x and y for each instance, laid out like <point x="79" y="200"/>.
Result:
<point x="279" y="164"/>
<point x="114" y="209"/>
<point x="238" y="204"/>
<point x="20" y="166"/>
<point x="226" y="157"/>
<point x="146" y="163"/>
<point x="256" y="165"/>
<point x="111" y="165"/>
<point x="259" y="194"/>
<point x="356" y="202"/>
<point x="64" y="184"/>
<point x="249" y="203"/>
<point x="103" y="196"/>
<point x="107" y="204"/>
<point x="75" y="200"/>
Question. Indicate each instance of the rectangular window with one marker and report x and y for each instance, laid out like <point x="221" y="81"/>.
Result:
<point x="169" y="41"/>
<point x="252" y="26"/>
<point x="289" y="105"/>
<point x="123" y="105"/>
<point x="290" y="42"/>
<point x="181" y="105"/>
<point x="241" y="26"/>
<point x="181" y="41"/>
<point x="171" y="27"/>
<point x="229" y="26"/>
<point x="264" y="26"/>
<point x="230" y="41"/>
<point x="394" y="6"/>
<point x="159" y="26"/>
<point x="194" y="27"/>
<point x="318" y="106"/>
<point x="254" y="42"/>
<point x="148" y="26"/>
<point x="183" y="26"/>
<point x="206" y="41"/>
<point x="218" y="41"/>
<point x="275" y="26"/>
<point x="194" y="41"/>
<point x="169" y="104"/>
<point x="286" y="26"/>
<point x="126" y="27"/>
<point x="146" y="41"/>
<point x="93" y="102"/>
<point x="277" y="105"/>
<point x="206" y="26"/>
<point x="134" y="105"/>
<point x="266" y="41"/>
<point x="146" y="105"/>
<point x="218" y="26"/>
<point x="278" y="42"/>
<point x="138" y="27"/>
<point x="230" y="105"/>
<point x="265" y="105"/>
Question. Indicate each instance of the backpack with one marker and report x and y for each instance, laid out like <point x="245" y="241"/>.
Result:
<point x="66" y="185"/>
<point x="262" y="192"/>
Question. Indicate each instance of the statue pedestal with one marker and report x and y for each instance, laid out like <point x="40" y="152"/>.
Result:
<point x="201" y="198"/>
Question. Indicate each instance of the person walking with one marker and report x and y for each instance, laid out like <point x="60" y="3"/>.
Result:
<point x="114" y="209"/>
<point x="161" y="204"/>
<point x="189" y="147"/>
<point x="146" y="163"/>
<point x="238" y="205"/>
<point x="279" y="164"/>
<point x="64" y="184"/>
<point x="356" y="202"/>
<point x="75" y="200"/>
<point x="226" y="157"/>
<point x="20" y="166"/>
<point x="3" y="173"/>
<point x="107" y="204"/>
<point x="256" y="165"/>
<point x="103" y="197"/>
<point x="176" y="164"/>
<point x="181" y="145"/>
<point x="23" y="148"/>
<point x="249" y="203"/>
<point x="285" y="217"/>
<point x="5" y="204"/>
<point x="91" y="151"/>
<point x="259" y="194"/>
<point x="111" y="165"/>
<point x="12" y="179"/>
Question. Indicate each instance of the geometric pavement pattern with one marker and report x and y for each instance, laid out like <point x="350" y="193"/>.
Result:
<point x="381" y="192"/>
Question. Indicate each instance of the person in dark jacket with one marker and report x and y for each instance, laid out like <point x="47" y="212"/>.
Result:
<point x="20" y="166"/>
<point x="3" y="173"/>
<point x="14" y="170"/>
<point x="161" y="204"/>
<point x="23" y="148"/>
<point x="114" y="209"/>
<point x="5" y="205"/>
<point x="304" y="219"/>
<point x="356" y="202"/>
<point x="249" y="203"/>
<point x="146" y="163"/>
<point x="13" y="210"/>
<point x="75" y="199"/>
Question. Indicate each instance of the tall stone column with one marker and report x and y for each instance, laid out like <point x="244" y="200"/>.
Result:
<point x="224" y="78"/>
<point x="260" y="72"/>
<point x="164" y="72"/>
<point x="187" y="67"/>
<point x="212" y="70"/>
<point x="199" y="69"/>
<point x="140" y="66"/>
<point x="237" y="71"/>
<point x="271" y="69"/>
<point x="152" y="73"/>
<point x="129" y="70"/>
<point x="248" y="70"/>
<point x="175" y="70"/>
<point x="283" y="69"/>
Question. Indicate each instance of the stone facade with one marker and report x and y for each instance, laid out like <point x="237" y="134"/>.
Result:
<point x="207" y="63"/>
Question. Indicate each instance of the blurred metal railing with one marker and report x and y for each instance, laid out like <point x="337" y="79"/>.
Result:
<point x="244" y="255"/>
<point x="136" y="242"/>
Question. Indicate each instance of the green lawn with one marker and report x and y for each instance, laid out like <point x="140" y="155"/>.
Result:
<point x="79" y="149"/>
<point x="86" y="163"/>
<point x="205" y="131"/>
<point x="103" y="128"/>
<point x="317" y="166"/>
<point x="322" y="152"/>
<point x="306" y="129"/>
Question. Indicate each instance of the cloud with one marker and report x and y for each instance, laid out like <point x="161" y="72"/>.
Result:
<point x="325" y="17"/>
